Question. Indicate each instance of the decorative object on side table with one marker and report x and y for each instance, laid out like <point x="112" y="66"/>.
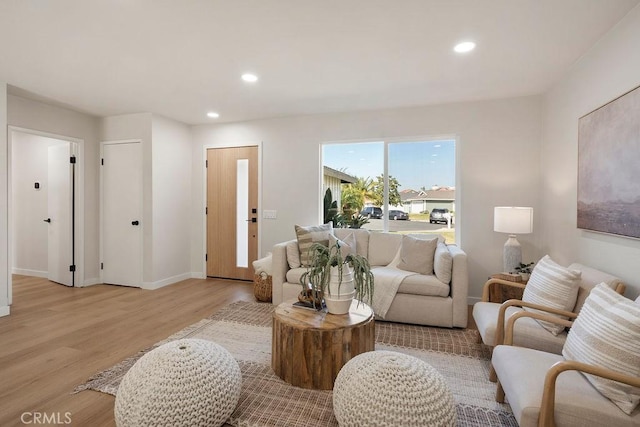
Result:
<point x="512" y="220"/>
<point x="337" y="277"/>
<point x="524" y="270"/>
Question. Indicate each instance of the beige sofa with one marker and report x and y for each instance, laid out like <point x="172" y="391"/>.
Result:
<point x="421" y="299"/>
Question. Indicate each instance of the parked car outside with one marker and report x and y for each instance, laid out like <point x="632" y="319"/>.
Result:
<point x="439" y="215"/>
<point x="371" y="212"/>
<point x="397" y="215"/>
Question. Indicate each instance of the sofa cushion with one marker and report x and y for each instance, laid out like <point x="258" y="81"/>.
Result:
<point x="383" y="247"/>
<point x="347" y="245"/>
<point x="293" y="254"/>
<point x="293" y="275"/>
<point x="607" y="333"/>
<point x="443" y="263"/>
<point x="309" y="235"/>
<point x="362" y="238"/>
<point x="421" y="284"/>
<point x="554" y="286"/>
<point x="589" y="278"/>
<point x="416" y="255"/>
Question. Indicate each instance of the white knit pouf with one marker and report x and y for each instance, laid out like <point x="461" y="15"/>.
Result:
<point x="385" y="388"/>
<point x="188" y="382"/>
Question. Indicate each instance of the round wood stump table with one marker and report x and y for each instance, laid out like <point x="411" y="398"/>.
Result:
<point x="310" y="347"/>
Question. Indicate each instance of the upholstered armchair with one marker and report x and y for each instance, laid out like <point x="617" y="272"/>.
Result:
<point x="528" y="331"/>
<point x="573" y="389"/>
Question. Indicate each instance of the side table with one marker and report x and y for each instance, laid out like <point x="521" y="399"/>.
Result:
<point x="501" y="294"/>
<point x="310" y="347"/>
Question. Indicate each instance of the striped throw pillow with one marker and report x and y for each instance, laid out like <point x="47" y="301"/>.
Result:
<point x="554" y="286"/>
<point x="309" y="235"/>
<point x="607" y="333"/>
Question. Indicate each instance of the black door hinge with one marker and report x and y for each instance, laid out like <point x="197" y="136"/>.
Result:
<point x="206" y="163"/>
<point x="206" y="257"/>
<point x="72" y="268"/>
<point x="102" y="266"/>
<point x="206" y="211"/>
<point x="102" y="162"/>
<point x="72" y="159"/>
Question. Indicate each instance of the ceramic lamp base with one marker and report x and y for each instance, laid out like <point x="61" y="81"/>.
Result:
<point x="512" y="254"/>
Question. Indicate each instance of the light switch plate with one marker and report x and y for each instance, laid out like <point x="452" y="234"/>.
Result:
<point x="269" y="214"/>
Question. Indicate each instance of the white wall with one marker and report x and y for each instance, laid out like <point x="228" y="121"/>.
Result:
<point x="29" y="164"/>
<point x="171" y="174"/>
<point x="609" y="69"/>
<point x="137" y="126"/>
<point x="498" y="164"/>
<point x="34" y="115"/>
<point x="5" y="268"/>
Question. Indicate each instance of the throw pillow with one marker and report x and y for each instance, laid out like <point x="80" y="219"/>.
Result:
<point x="416" y="255"/>
<point x="443" y="263"/>
<point x="347" y="245"/>
<point x="293" y="254"/>
<point x="309" y="235"/>
<point x="554" y="286"/>
<point x="607" y="333"/>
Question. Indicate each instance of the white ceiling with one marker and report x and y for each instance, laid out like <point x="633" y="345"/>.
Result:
<point x="182" y="58"/>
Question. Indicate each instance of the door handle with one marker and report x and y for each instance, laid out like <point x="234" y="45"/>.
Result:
<point x="47" y="220"/>
<point x="252" y="220"/>
<point x="136" y="222"/>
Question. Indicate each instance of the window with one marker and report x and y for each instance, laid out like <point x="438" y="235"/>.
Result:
<point x="392" y="186"/>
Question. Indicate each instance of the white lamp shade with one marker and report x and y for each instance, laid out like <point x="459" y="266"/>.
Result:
<point x="513" y="220"/>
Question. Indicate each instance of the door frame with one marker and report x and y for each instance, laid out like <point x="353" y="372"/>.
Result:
<point x="203" y="204"/>
<point x="101" y="209"/>
<point x="77" y="148"/>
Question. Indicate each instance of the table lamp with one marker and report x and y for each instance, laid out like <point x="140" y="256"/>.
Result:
<point x="512" y="220"/>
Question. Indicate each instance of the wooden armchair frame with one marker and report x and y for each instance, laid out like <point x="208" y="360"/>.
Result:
<point x="547" y="405"/>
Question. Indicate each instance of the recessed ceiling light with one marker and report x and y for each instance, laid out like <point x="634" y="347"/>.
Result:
<point x="213" y="114"/>
<point x="248" y="77"/>
<point x="464" y="47"/>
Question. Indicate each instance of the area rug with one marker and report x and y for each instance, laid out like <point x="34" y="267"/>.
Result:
<point x="244" y="328"/>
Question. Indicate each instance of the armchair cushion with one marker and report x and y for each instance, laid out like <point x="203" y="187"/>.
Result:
<point x="522" y="371"/>
<point x="554" y="286"/>
<point x="607" y="333"/>
<point x="527" y="332"/>
<point x="293" y="254"/>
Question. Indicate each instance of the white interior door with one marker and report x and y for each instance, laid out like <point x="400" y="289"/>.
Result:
<point x="59" y="207"/>
<point x="122" y="213"/>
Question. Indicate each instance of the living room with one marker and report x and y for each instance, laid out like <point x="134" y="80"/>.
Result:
<point x="514" y="150"/>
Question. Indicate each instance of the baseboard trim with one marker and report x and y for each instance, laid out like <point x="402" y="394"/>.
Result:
<point x="91" y="282"/>
<point x="198" y="275"/>
<point x="473" y="300"/>
<point x="27" y="272"/>
<point x="4" y="310"/>
<point x="165" y="282"/>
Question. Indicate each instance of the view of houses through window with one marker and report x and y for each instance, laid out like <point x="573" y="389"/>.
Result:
<point x="401" y="187"/>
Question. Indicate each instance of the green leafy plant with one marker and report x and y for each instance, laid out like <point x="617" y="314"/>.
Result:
<point x="524" y="268"/>
<point x="318" y="274"/>
<point x="331" y="211"/>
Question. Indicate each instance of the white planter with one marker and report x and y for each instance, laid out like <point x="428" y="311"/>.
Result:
<point x="340" y="293"/>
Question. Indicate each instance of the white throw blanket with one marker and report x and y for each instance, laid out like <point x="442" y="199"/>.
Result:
<point x="387" y="281"/>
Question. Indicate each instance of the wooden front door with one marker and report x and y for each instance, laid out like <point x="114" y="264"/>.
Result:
<point x="232" y="212"/>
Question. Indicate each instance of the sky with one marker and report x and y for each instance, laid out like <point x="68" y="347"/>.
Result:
<point x="413" y="164"/>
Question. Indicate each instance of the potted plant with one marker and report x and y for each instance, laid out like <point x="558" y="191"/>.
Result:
<point x="524" y="270"/>
<point x="337" y="278"/>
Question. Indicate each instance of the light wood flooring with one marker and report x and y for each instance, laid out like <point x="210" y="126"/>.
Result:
<point x="57" y="337"/>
